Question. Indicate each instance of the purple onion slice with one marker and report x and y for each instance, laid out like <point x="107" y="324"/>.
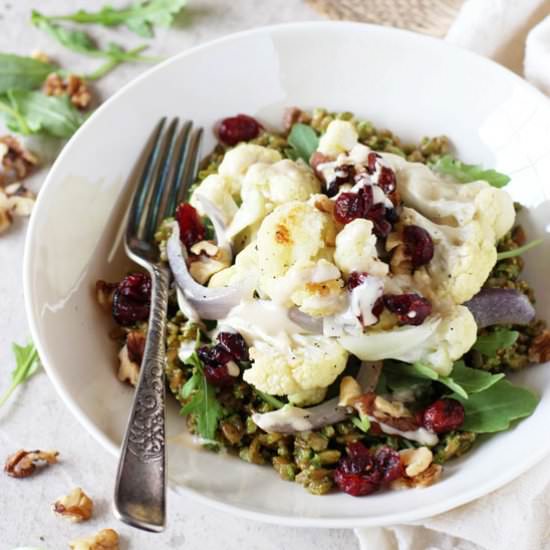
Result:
<point x="500" y="306"/>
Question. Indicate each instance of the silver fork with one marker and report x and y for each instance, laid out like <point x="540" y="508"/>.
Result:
<point x="140" y="491"/>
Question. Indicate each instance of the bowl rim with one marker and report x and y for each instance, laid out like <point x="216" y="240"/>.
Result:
<point x="419" y="513"/>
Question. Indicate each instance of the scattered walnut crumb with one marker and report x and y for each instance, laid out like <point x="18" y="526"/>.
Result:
<point x="73" y="86"/>
<point x="23" y="463"/>
<point x="128" y="371"/>
<point x="106" y="539"/>
<point x="15" y="200"/>
<point x="104" y="294"/>
<point x="16" y="160"/>
<point x="76" y="506"/>
<point x="539" y="351"/>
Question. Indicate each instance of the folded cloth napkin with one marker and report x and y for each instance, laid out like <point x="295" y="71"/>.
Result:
<point x="516" y="33"/>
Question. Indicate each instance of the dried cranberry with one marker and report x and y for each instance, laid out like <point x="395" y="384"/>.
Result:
<point x="215" y="355"/>
<point x="392" y="215"/>
<point x="356" y="485"/>
<point x="411" y="309"/>
<point x="356" y="278"/>
<point x="218" y="376"/>
<point x="378" y="307"/>
<point x="343" y="174"/>
<point x="233" y="130"/>
<point x="377" y="215"/>
<point x="360" y="456"/>
<point x="132" y="299"/>
<point x="191" y="227"/>
<point x="444" y="415"/>
<point x="388" y="463"/>
<point x="234" y="343"/>
<point x="419" y="245"/>
<point x="371" y="162"/>
<point x="386" y="180"/>
<point x="350" y="206"/>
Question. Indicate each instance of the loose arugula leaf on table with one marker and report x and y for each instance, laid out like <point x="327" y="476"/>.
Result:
<point x="489" y="344"/>
<point x="202" y="400"/>
<point x="495" y="408"/>
<point x="139" y="18"/>
<point x="35" y="113"/>
<point x="22" y="73"/>
<point x="27" y="363"/>
<point x="303" y="141"/>
<point x="518" y="251"/>
<point x="81" y="42"/>
<point x="465" y="173"/>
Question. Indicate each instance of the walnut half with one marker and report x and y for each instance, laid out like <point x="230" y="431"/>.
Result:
<point x="76" y="506"/>
<point x="106" y="539"/>
<point x="539" y="351"/>
<point x="23" y="463"/>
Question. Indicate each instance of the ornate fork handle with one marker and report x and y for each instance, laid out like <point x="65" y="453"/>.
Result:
<point x="140" y="486"/>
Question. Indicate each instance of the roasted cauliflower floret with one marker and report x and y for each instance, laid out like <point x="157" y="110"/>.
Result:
<point x="454" y="204"/>
<point x="439" y="341"/>
<point x="339" y="137"/>
<point x="246" y="263"/>
<point x="463" y="258"/>
<point x="356" y="250"/>
<point x="290" y="240"/>
<point x="310" y="363"/>
<point x="266" y="186"/>
<point x="305" y="398"/>
<point x="219" y="191"/>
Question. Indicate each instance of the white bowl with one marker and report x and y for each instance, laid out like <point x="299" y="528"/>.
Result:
<point x="410" y="83"/>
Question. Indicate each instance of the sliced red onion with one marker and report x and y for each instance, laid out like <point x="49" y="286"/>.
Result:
<point x="368" y="375"/>
<point x="289" y="419"/>
<point x="307" y="322"/>
<point x="209" y="303"/>
<point x="500" y="306"/>
<point x="220" y="229"/>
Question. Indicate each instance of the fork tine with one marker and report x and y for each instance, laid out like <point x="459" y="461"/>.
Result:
<point x="190" y="165"/>
<point x="170" y="200"/>
<point x="157" y="188"/>
<point x="138" y="201"/>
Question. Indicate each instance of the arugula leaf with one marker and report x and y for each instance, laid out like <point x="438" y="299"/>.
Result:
<point x="489" y="344"/>
<point x="81" y="42"/>
<point x="495" y="408"/>
<point x="270" y="399"/>
<point x="203" y="401"/>
<point x="462" y="380"/>
<point x="362" y="422"/>
<point x="27" y="363"/>
<point x="518" y="251"/>
<point x="303" y="141"/>
<point x="465" y="173"/>
<point x="473" y="380"/>
<point x="139" y="18"/>
<point x="35" y="113"/>
<point x="22" y="73"/>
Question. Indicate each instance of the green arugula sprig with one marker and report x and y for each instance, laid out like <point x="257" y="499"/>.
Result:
<point x="139" y="18"/>
<point x="494" y="409"/>
<point x="27" y="363"/>
<point x="202" y="400"/>
<point x="31" y="112"/>
<point x="303" y="141"/>
<point x="270" y="399"/>
<point x="82" y="43"/>
<point x="465" y="173"/>
<point x="489" y="344"/>
<point x="518" y="251"/>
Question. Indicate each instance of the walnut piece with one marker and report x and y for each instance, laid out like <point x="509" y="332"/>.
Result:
<point x="16" y="160"/>
<point x="350" y="390"/>
<point x="424" y="479"/>
<point x="135" y="342"/>
<point x="400" y="262"/>
<point x="395" y="409"/>
<point x="128" y="371"/>
<point x="76" y="506"/>
<point x="104" y="294"/>
<point x="106" y="539"/>
<point x="73" y="86"/>
<point x="416" y="461"/>
<point x="539" y="351"/>
<point x="293" y="115"/>
<point x="23" y="463"/>
<point x="207" y="260"/>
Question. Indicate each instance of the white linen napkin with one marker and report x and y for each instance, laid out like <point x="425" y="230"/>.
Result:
<point x="515" y="33"/>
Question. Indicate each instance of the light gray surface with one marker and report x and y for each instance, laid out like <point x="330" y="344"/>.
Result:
<point x="35" y="417"/>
